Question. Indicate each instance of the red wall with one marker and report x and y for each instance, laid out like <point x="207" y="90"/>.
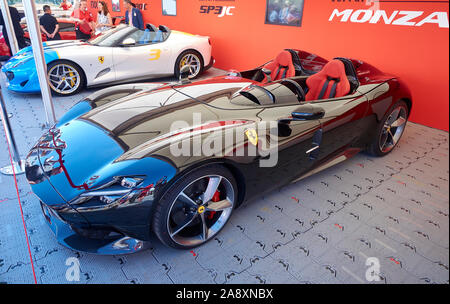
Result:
<point x="417" y="53"/>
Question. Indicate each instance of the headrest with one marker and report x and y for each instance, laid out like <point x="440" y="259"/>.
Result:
<point x="164" y="29"/>
<point x="334" y="69"/>
<point x="151" y="27"/>
<point x="284" y="58"/>
<point x="350" y="71"/>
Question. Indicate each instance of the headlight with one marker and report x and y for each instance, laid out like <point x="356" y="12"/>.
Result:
<point x="121" y="189"/>
<point x="130" y="182"/>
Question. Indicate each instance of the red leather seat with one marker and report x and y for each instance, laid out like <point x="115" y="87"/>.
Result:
<point x="330" y="82"/>
<point x="281" y="67"/>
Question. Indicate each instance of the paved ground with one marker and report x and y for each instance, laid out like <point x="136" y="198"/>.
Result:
<point x="320" y="230"/>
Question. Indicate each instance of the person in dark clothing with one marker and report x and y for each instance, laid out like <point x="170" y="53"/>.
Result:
<point x="49" y="24"/>
<point x="15" y="17"/>
<point x="133" y="15"/>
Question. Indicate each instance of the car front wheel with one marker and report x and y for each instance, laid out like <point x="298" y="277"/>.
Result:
<point x="196" y="207"/>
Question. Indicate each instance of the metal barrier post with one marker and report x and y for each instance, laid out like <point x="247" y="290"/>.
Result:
<point x="19" y="165"/>
<point x="41" y="66"/>
<point x="9" y="27"/>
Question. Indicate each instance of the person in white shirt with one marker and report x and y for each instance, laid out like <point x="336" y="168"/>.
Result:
<point x="104" y="20"/>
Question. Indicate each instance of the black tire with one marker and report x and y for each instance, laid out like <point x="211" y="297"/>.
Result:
<point x="160" y="221"/>
<point x="376" y="147"/>
<point x="183" y="55"/>
<point x="80" y="82"/>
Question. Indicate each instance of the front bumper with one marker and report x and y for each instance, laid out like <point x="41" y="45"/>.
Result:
<point x="112" y="245"/>
<point x="22" y="80"/>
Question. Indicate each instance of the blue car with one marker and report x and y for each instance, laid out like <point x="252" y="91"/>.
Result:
<point x="20" y="70"/>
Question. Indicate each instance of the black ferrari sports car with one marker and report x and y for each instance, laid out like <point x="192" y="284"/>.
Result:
<point x="177" y="159"/>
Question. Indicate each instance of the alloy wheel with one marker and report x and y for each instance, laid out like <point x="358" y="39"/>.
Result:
<point x="200" y="210"/>
<point x="64" y="79"/>
<point x="393" y="129"/>
<point x="194" y="63"/>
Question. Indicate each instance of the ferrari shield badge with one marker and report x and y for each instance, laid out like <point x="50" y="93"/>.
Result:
<point x="252" y="136"/>
<point x="201" y="209"/>
<point x="101" y="59"/>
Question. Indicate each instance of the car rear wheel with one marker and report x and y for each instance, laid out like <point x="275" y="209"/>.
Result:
<point x="191" y="58"/>
<point x="195" y="208"/>
<point x="390" y="130"/>
<point x="65" y="77"/>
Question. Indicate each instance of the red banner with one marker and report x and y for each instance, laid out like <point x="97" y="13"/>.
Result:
<point x="409" y="39"/>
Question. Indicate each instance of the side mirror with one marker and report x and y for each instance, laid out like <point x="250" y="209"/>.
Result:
<point x="129" y="42"/>
<point x="185" y="72"/>
<point x="267" y="72"/>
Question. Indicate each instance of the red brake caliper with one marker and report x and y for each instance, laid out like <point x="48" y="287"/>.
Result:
<point x="215" y="198"/>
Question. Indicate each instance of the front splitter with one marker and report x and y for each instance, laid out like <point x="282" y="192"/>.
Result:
<point x="67" y="237"/>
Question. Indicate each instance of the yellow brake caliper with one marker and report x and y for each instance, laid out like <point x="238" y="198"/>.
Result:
<point x="183" y="62"/>
<point x="72" y="82"/>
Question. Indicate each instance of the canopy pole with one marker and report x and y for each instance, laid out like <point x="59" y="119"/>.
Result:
<point x="14" y="46"/>
<point x="18" y="165"/>
<point x="38" y="53"/>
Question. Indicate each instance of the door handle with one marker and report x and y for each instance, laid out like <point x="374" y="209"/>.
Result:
<point x="312" y="149"/>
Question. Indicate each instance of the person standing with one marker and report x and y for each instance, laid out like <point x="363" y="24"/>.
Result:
<point x="84" y="21"/>
<point x="104" y="20"/>
<point x="49" y="24"/>
<point x="133" y="15"/>
<point x="18" y="31"/>
<point x="65" y="5"/>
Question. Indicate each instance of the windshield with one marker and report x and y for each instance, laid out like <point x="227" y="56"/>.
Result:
<point x="112" y="36"/>
<point x="279" y="92"/>
<point x="254" y="93"/>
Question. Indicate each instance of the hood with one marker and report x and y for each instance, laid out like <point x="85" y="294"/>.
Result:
<point x="91" y="149"/>
<point x="148" y="116"/>
<point x="80" y="156"/>
<point x="51" y="52"/>
<point x="71" y="155"/>
<point x="56" y="44"/>
<point x="21" y="57"/>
